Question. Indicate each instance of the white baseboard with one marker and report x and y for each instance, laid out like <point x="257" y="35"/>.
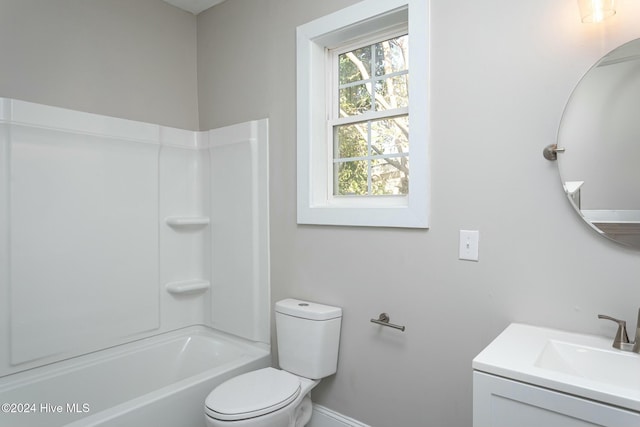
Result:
<point x="325" y="417"/>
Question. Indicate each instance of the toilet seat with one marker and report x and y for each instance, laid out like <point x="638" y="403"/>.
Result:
<point x="252" y="394"/>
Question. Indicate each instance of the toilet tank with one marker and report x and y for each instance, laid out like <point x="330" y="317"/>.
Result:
<point x="308" y="337"/>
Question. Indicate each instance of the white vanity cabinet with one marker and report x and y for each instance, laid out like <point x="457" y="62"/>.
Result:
<point x="501" y="402"/>
<point x="539" y="377"/>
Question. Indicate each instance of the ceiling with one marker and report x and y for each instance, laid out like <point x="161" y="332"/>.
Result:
<point x="194" y="6"/>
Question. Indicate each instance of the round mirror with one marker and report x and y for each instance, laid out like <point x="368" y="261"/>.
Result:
<point x="599" y="146"/>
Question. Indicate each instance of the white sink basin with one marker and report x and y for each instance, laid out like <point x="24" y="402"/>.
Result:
<point x="582" y="365"/>
<point x="613" y="367"/>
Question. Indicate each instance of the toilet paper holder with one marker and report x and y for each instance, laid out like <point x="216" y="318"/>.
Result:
<point x="383" y="320"/>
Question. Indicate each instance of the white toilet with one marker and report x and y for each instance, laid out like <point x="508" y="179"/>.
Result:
<point x="308" y="339"/>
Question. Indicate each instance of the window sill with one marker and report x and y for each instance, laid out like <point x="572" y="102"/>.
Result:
<point x="352" y="215"/>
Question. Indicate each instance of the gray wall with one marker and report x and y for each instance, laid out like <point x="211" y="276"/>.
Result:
<point x="501" y="72"/>
<point x="123" y="58"/>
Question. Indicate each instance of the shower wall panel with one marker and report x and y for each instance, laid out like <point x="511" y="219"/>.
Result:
<point x="5" y="307"/>
<point x="83" y="215"/>
<point x="240" y="299"/>
<point x="183" y="247"/>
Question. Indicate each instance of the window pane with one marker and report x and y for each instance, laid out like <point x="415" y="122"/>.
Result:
<point x="392" y="55"/>
<point x="355" y="100"/>
<point x="348" y="71"/>
<point x="355" y="65"/>
<point x="351" y="140"/>
<point x="371" y="157"/>
<point x="350" y="178"/>
<point x="390" y="176"/>
<point x="390" y="136"/>
<point x="392" y="93"/>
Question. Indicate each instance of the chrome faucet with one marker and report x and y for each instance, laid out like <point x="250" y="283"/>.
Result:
<point x="621" y="340"/>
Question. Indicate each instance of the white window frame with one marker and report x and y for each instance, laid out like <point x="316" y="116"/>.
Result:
<point x="316" y="204"/>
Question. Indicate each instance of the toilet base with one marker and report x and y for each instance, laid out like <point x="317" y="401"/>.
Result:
<point x="303" y="412"/>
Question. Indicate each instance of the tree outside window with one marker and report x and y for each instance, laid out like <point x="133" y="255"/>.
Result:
<point x="371" y="121"/>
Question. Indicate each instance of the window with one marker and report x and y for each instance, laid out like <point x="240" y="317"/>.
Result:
<point x="354" y="100"/>
<point x="369" y="124"/>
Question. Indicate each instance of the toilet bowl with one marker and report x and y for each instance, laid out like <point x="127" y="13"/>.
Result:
<point x="308" y="340"/>
<point x="264" y="398"/>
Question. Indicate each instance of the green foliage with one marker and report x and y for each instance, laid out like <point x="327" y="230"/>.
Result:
<point x="357" y="96"/>
<point x="352" y="176"/>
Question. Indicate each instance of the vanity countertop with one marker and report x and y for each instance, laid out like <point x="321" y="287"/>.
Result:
<point x="577" y="364"/>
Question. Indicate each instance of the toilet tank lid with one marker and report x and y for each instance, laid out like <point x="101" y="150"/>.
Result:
<point x="307" y="310"/>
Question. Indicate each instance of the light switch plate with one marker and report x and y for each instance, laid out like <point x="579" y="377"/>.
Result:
<point x="469" y="240"/>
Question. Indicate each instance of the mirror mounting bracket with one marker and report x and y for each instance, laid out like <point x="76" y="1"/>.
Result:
<point x="551" y="151"/>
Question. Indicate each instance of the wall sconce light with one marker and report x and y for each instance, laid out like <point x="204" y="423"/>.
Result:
<point x="594" y="11"/>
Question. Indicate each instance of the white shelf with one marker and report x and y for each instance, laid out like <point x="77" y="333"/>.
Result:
<point x="185" y="221"/>
<point x="188" y="286"/>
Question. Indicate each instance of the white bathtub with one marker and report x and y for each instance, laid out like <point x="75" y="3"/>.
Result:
<point x="158" y="381"/>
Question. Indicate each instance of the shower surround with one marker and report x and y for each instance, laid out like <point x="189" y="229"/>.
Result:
<point x="112" y="231"/>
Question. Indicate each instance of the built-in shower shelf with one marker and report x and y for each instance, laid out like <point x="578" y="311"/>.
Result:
<point x="186" y="221"/>
<point x="188" y="286"/>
